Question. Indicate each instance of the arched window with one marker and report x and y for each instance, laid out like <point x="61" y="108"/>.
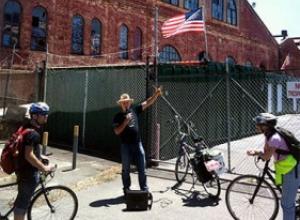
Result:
<point x="96" y="37"/>
<point x="168" y="53"/>
<point x="11" y="24"/>
<point x="39" y="29"/>
<point x="77" y="34"/>
<point x="138" y="44"/>
<point x="191" y="4"/>
<point x="248" y="63"/>
<point x="231" y="12"/>
<point x="203" y="57"/>
<point x="217" y="9"/>
<point x="172" y="2"/>
<point x="262" y="66"/>
<point x="123" y="42"/>
<point x="230" y="60"/>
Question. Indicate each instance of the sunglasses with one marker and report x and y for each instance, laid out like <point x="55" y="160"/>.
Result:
<point x="44" y="113"/>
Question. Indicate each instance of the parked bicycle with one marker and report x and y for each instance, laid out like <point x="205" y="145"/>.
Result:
<point x="48" y="202"/>
<point x="253" y="197"/>
<point x="192" y="159"/>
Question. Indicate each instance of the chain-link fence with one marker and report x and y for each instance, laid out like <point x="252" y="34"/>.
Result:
<point x="88" y="97"/>
<point x="221" y="104"/>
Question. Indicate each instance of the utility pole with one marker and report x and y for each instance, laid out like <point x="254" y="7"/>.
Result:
<point x="8" y="76"/>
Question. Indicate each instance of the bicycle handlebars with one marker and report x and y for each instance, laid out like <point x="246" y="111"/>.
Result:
<point x="190" y="131"/>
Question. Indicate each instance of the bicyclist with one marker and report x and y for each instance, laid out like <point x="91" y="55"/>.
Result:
<point x="287" y="171"/>
<point x="30" y="162"/>
<point x="125" y="125"/>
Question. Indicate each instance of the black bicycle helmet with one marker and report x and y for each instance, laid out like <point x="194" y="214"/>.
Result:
<point x="266" y="119"/>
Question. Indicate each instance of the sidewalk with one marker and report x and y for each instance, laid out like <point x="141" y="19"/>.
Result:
<point x="89" y="170"/>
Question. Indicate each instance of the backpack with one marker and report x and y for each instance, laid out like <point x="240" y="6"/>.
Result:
<point x="11" y="151"/>
<point x="292" y="142"/>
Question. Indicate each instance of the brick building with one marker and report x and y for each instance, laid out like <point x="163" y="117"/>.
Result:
<point x="99" y="32"/>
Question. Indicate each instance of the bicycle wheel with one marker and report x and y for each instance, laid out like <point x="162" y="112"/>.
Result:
<point x="239" y="194"/>
<point x="213" y="187"/>
<point x="181" y="167"/>
<point x="63" y="204"/>
<point x="298" y="207"/>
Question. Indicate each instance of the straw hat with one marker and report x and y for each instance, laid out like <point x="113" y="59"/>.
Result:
<point x="124" y="98"/>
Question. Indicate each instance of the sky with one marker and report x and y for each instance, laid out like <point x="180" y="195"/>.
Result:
<point x="279" y="15"/>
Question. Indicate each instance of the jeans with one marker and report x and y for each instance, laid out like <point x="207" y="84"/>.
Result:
<point x="26" y="187"/>
<point x="128" y="153"/>
<point x="289" y="191"/>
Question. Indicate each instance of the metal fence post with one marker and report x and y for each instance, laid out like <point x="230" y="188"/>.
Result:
<point x="75" y="145"/>
<point x="45" y="143"/>
<point x="228" y="113"/>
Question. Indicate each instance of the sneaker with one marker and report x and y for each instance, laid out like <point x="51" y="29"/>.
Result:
<point x="125" y="192"/>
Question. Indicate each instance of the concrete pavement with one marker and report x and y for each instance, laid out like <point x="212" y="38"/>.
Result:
<point x="97" y="183"/>
<point x="89" y="170"/>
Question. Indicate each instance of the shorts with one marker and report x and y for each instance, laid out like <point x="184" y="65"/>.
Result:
<point x="26" y="188"/>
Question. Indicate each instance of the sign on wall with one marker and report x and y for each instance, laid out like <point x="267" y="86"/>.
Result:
<point x="293" y="92"/>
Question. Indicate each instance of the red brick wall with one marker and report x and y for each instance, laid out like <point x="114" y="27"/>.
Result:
<point x="289" y="47"/>
<point x="249" y="41"/>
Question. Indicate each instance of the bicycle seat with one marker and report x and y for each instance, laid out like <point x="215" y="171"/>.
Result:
<point x="197" y="138"/>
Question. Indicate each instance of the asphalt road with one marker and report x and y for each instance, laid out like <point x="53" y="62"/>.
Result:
<point x="105" y="201"/>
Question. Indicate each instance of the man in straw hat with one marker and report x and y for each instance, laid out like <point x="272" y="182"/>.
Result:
<point x="125" y="125"/>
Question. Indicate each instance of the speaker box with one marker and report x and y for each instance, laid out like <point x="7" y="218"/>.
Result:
<point x="138" y="200"/>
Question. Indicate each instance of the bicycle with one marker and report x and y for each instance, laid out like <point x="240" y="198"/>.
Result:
<point x="194" y="161"/>
<point x="255" y="193"/>
<point x="48" y="202"/>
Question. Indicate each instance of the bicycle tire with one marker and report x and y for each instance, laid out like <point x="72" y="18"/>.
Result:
<point x="213" y="187"/>
<point x="238" y="195"/>
<point x="181" y="168"/>
<point x="298" y="206"/>
<point x="62" y="198"/>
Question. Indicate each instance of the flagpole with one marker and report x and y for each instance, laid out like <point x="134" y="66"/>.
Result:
<point x="205" y="35"/>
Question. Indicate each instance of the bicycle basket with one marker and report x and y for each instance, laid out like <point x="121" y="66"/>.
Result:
<point x="200" y="169"/>
<point x="216" y="162"/>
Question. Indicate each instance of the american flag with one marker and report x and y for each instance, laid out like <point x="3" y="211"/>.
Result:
<point x="190" y="21"/>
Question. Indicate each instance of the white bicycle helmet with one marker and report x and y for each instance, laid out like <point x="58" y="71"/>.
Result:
<point x="266" y="119"/>
<point x="40" y="108"/>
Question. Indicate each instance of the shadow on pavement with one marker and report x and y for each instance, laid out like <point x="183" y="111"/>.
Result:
<point x="108" y="202"/>
<point x="196" y="198"/>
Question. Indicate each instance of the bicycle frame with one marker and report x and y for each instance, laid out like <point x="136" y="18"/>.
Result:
<point x="41" y="188"/>
<point x="266" y="171"/>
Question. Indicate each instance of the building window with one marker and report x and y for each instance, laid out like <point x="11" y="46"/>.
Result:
<point x="231" y="12"/>
<point x="168" y="53"/>
<point x="217" y="9"/>
<point x="11" y="24"/>
<point x="96" y="37"/>
<point x="77" y="34"/>
<point x="203" y="57"/>
<point x="191" y="4"/>
<point x="123" y="42"/>
<point x="230" y="60"/>
<point x="138" y="44"/>
<point x="39" y="29"/>
<point x="172" y="2"/>
<point x="248" y="63"/>
<point x="262" y="66"/>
